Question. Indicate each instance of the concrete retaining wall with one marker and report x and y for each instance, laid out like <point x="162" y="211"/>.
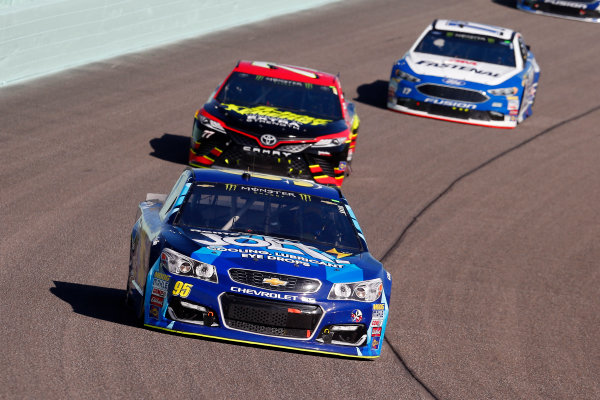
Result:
<point x="38" y="37"/>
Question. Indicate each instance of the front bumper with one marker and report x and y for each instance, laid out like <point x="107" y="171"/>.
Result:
<point x="327" y="166"/>
<point x="239" y="313"/>
<point x="496" y="112"/>
<point x="588" y="14"/>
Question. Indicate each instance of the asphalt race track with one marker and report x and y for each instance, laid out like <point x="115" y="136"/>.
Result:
<point x="491" y="235"/>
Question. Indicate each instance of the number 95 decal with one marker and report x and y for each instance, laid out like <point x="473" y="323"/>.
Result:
<point x="182" y="289"/>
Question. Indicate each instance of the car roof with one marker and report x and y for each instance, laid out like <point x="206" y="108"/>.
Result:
<point x="473" y="28"/>
<point x="239" y="177"/>
<point x="288" y="72"/>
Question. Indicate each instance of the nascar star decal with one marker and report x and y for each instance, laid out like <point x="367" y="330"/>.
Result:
<point x="338" y="254"/>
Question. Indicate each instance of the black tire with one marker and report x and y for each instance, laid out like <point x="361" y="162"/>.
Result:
<point x="137" y="311"/>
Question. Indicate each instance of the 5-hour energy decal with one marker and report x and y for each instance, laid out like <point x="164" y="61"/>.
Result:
<point x="182" y="289"/>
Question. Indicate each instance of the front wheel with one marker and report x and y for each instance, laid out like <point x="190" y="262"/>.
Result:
<point x="137" y="310"/>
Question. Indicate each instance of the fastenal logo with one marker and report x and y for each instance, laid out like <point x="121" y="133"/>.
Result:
<point x="274" y="282"/>
<point x="268" y="140"/>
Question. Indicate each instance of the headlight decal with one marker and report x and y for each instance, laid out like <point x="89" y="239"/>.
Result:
<point x="504" y="91"/>
<point x="330" y="142"/>
<point x="182" y="265"/>
<point x="210" y="124"/>
<point x="406" y="76"/>
<point x="365" y="291"/>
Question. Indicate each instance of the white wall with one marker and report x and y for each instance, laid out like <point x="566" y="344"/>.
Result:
<point x="38" y="37"/>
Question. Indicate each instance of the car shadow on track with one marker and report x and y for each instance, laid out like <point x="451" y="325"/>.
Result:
<point x="107" y="304"/>
<point x="169" y="147"/>
<point x="506" y="3"/>
<point x="373" y="94"/>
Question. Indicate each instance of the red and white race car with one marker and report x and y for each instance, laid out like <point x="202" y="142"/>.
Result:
<point x="277" y="119"/>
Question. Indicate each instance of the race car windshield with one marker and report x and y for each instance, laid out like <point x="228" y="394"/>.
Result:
<point x="469" y="47"/>
<point x="271" y="212"/>
<point x="304" y="98"/>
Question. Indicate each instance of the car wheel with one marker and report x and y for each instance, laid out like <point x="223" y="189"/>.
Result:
<point x="137" y="311"/>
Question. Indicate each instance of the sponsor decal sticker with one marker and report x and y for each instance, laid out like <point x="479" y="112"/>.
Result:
<point x="377" y="323"/>
<point x="379" y="306"/>
<point x="467" y="68"/>
<point x="157" y="301"/>
<point x="161" y="276"/>
<point x="154" y="311"/>
<point x="451" y="103"/>
<point x="375" y="344"/>
<point x="356" y="315"/>
<point x="160" y="284"/>
<point x="376" y="332"/>
<point x="250" y="149"/>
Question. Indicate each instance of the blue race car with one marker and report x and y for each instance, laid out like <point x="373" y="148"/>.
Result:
<point x="582" y="10"/>
<point x="466" y="72"/>
<point x="259" y="259"/>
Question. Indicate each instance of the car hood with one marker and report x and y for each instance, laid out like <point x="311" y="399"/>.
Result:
<point x="459" y="69"/>
<point x="283" y="124"/>
<point x="226" y="250"/>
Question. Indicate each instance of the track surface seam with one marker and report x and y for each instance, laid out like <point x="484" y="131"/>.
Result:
<point x="442" y="194"/>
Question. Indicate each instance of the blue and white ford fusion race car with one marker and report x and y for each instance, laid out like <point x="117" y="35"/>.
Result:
<point x="466" y="72"/>
<point x="582" y="10"/>
<point x="258" y="259"/>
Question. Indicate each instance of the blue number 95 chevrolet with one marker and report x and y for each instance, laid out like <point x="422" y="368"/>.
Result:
<point x="258" y="259"/>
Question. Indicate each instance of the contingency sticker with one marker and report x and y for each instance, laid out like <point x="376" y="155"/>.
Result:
<point x="160" y="286"/>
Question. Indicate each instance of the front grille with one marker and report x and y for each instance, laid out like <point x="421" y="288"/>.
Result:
<point x="242" y="140"/>
<point x="293" y="166"/>
<point x="270" y="317"/>
<point x="256" y="278"/>
<point x="452" y="93"/>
